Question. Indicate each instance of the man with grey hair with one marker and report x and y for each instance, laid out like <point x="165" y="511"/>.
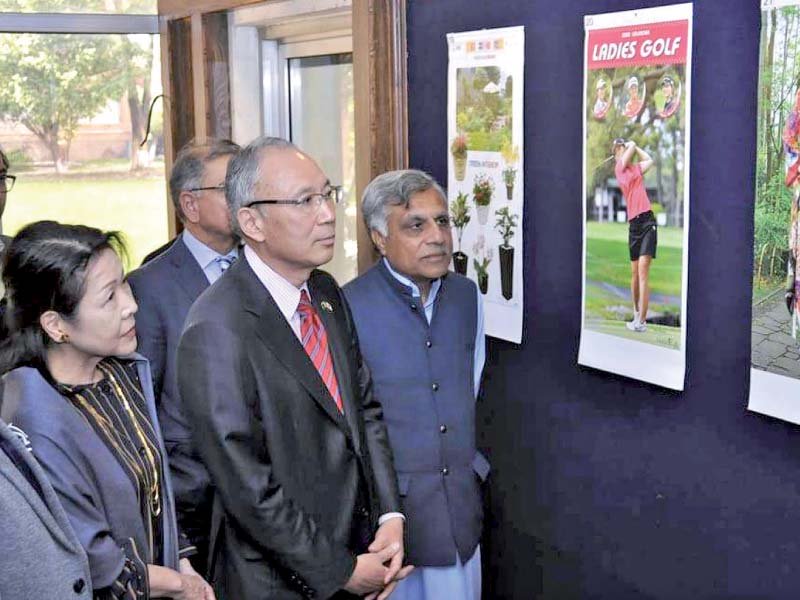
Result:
<point x="281" y="403"/>
<point x="420" y="327"/>
<point x="165" y="288"/>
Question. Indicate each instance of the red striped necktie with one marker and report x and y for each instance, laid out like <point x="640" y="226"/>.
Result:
<point x="315" y="342"/>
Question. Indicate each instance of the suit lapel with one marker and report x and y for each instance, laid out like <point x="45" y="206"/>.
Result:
<point x="331" y="313"/>
<point x="276" y="333"/>
<point x="47" y="513"/>
<point x="188" y="273"/>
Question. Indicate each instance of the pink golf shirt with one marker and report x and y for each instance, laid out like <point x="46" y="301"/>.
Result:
<point x="631" y="182"/>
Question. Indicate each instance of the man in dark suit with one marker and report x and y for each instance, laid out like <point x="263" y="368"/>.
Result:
<point x="281" y="403"/>
<point x="165" y="288"/>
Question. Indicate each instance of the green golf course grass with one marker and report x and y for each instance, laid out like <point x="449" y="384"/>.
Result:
<point x="600" y="303"/>
<point x="608" y="262"/>
<point x="607" y="258"/>
<point x="136" y="206"/>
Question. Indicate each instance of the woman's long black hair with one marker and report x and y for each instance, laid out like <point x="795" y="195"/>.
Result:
<point x="45" y="269"/>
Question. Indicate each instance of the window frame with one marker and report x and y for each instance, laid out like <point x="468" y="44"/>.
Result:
<point x="78" y="23"/>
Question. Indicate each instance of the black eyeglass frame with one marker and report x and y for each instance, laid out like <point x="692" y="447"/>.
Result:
<point x="4" y="179"/>
<point x="208" y="188"/>
<point x="334" y="193"/>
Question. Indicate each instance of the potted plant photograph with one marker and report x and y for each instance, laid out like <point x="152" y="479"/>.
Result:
<point x="459" y="151"/>
<point x="482" y="257"/>
<point x="482" y="192"/>
<point x="459" y="211"/>
<point x="509" y="175"/>
<point x="510" y="156"/>
<point x="506" y="224"/>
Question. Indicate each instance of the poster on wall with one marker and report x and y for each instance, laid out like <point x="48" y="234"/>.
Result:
<point x="484" y="175"/>
<point x="636" y="102"/>
<point x="775" y="329"/>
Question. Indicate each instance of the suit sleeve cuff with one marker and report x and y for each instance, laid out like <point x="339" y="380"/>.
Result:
<point x="390" y="515"/>
<point x="185" y="547"/>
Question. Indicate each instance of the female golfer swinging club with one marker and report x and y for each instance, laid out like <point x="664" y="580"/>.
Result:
<point x="642" y="233"/>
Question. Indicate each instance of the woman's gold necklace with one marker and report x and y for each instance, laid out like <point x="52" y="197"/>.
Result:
<point x="153" y="484"/>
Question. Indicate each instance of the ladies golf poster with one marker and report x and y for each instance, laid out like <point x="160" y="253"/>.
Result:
<point x="485" y="158"/>
<point x="775" y="330"/>
<point x="637" y="92"/>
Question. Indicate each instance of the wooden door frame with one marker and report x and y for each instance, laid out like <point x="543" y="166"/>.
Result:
<point x="379" y="82"/>
<point x="379" y="71"/>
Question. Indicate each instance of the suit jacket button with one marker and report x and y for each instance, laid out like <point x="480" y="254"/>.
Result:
<point x="435" y="387"/>
<point x="428" y="343"/>
<point x="443" y="428"/>
<point x="445" y="471"/>
<point x="78" y="586"/>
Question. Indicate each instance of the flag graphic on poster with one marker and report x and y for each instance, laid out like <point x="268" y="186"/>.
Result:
<point x="485" y="160"/>
<point x="637" y="90"/>
<point x="775" y="329"/>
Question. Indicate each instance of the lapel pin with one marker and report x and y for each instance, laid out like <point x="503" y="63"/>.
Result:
<point x="326" y="306"/>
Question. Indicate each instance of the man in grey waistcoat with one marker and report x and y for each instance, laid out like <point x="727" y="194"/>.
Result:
<point x="420" y="327"/>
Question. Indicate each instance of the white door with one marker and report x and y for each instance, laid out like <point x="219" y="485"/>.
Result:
<point x="319" y="115"/>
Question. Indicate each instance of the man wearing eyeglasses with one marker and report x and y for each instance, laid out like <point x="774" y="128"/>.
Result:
<point x="165" y="288"/>
<point x="6" y="185"/>
<point x="281" y="403"/>
<point x="420" y="327"/>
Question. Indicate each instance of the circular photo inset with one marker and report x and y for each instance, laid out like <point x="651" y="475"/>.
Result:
<point x="667" y="96"/>
<point x="602" y="99"/>
<point x="633" y="97"/>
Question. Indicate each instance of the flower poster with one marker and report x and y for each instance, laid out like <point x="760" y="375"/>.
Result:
<point x="775" y="329"/>
<point x="485" y="159"/>
<point x="636" y="101"/>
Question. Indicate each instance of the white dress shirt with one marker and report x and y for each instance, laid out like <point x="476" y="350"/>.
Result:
<point x="287" y="296"/>
<point x="207" y="257"/>
<point x="480" y="338"/>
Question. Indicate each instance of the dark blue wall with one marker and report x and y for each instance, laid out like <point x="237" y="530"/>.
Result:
<point x="605" y="487"/>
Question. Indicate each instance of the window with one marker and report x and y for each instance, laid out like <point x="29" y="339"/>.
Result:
<point x="73" y="114"/>
<point x="119" y="7"/>
<point x="292" y="69"/>
<point x="321" y="123"/>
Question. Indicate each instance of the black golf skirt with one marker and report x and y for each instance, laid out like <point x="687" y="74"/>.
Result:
<point x="642" y="235"/>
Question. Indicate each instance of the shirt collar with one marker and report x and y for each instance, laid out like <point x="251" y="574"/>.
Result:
<point x="435" y="284"/>
<point x="285" y="294"/>
<point x="202" y="253"/>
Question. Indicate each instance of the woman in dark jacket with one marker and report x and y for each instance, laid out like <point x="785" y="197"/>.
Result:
<point x="85" y="401"/>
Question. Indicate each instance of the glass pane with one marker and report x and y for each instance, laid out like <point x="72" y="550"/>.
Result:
<point x="121" y="7"/>
<point x="76" y="109"/>
<point x="321" y="119"/>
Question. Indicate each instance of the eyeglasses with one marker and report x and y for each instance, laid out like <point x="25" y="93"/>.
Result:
<point x="308" y="202"/>
<point x="7" y="182"/>
<point x="203" y="189"/>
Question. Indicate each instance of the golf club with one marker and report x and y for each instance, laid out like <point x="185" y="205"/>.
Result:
<point x="604" y="162"/>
